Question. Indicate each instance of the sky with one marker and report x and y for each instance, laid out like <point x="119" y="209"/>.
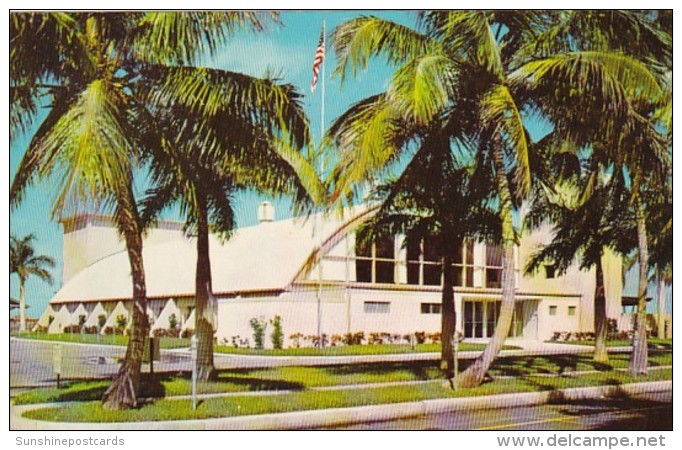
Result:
<point x="286" y="51"/>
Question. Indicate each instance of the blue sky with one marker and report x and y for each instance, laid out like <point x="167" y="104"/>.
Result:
<point x="286" y="51"/>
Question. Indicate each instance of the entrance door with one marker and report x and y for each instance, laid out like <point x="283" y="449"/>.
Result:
<point x="530" y="328"/>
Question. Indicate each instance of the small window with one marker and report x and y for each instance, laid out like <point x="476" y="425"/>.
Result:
<point x="431" y="308"/>
<point x="552" y="310"/>
<point x="377" y="307"/>
<point x="571" y="310"/>
<point x="550" y="271"/>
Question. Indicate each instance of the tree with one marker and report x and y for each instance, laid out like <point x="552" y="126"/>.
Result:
<point x="638" y="105"/>
<point x="436" y="201"/>
<point x="24" y="262"/>
<point x="91" y="68"/>
<point x="588" y="212"/>
<point x="199" y="163"/>
<point x="484" y="70"/>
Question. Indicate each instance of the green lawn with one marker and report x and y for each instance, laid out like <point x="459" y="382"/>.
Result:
<point x="653" y="343"/>
<point x="384" y="349"/>
<point x="348" y="350"/>
<point x="311" y="400"/>
<point x="102" y="339"/>
<point x="302" y="378"/>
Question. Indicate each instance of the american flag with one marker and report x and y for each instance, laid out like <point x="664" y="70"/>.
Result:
<point x="319" y="57"/>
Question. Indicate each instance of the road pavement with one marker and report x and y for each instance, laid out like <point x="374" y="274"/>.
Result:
<point x="649" y="412"/>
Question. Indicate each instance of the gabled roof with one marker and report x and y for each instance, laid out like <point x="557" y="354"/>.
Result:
<point x="265" y="257"/>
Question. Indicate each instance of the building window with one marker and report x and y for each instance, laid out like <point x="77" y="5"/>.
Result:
<point x="424" y="266"/>
<point x="377" y="307"/>
<point x="375" y="261"/>
<point x="431" y="308"/>
<point x="550" y="271"/>
<point x="493" y="266"/>
<point x="571" y="310"/>
<point x="552" y="310"/>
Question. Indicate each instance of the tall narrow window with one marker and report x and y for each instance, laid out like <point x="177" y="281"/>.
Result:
<point x="493" y="269"/>
<point x="469" y="263"/>
<point x="385" y="260"/>
<point x="363" y="258"/>
<point x="432" y="264"/>
<point x="413" y="264"/>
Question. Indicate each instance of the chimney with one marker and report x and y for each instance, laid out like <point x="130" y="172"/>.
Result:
<point x="266" y="212"/>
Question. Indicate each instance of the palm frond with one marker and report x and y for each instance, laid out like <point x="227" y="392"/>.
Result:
<point x="358" y="40"/>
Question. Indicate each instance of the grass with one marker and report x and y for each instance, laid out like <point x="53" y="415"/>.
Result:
<point x="312" y="400"/>
<point x="654" y="343"/>
<point x="302" y="378"/>
<point x="348" y="350"/>
<point x="106" y="339"/>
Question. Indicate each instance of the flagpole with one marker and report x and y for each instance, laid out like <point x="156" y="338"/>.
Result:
<point x="319" y="218"/>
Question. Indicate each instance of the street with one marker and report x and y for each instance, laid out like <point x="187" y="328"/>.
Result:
<point x="647" y="412"/>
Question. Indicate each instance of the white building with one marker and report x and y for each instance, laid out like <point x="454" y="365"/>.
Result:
<point x="315" y="277"/>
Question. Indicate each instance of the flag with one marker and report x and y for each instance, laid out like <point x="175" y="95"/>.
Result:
<point x="319" y="57"/>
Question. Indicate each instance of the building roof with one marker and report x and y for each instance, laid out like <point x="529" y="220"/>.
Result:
<point x="265" y="257"/>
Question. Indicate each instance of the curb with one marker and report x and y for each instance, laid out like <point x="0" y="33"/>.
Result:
<point x="344" y="416"/>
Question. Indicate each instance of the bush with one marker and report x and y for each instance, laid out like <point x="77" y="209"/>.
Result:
<point x="160" y="332"/>
<point x="420" y="337"/>
<point x="109" y="330"/>
<point x="353" y="338"/>
<point x="101" y="320"/>
<point x="121" y="322"/>
<point x="296" y="340"/>
<point x="258" y="326"/>
<point x="336" y="339"/>
<point x="435" y="338"/>
<point x="73" y="329"/>
<point x="172" y="322"/>
<point x="40" y="329"/>
<point x="187" y="333"/>
<point x="277" y="336"/>
<point x="91" y="330"/>
<point x="81" y="320"/>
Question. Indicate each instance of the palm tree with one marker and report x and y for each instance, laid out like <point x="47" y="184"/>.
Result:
<point x="629" y="135"/>
<point x="436" y="200"/>
<point x="90" y="68"/>
<point x="588" y="210"/>
<point x="24" y="262"/>
<point x="199" y="163"/>
<point x="482" y="68"/>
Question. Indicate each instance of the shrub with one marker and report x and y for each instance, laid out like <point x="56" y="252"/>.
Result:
<point x="172" y="321"/>
<point x="81" y="320"/>
<point x="160" y="332"/>
<point x="187" y="333"/>
<point x="235" y="341"/>
<point x="420" y="337"/>
<point x="435" y="338"/>
<point x="319" y="341"/>
<point x="258" y="326"/>
<point x="101" y="320"/>
<point x="91" y="329"/>
<point x="41" y="329"/>
<point x="277" y="336"/>
<point x="121" y="322"/>
<point x="336" y="339"/>
<point x="72" y="329"/>
<point x="353" y="338"/>
<point x="109" y="330"/>
<point x="375" y="338"/>
<point x="173" y="332"/>
<point x="296" y="339"/>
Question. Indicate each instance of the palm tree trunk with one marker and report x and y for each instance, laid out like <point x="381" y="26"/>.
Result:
<point x="205" y="306"/>
<point x="601" y="354"/>
<point x="475" y="374"/>
<point x="448" y="320"/>
<point x="638" y="361"/>
<point x="22" y="304"/>
<point x="661" y="306"/>
<point x="122" y="394"/>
